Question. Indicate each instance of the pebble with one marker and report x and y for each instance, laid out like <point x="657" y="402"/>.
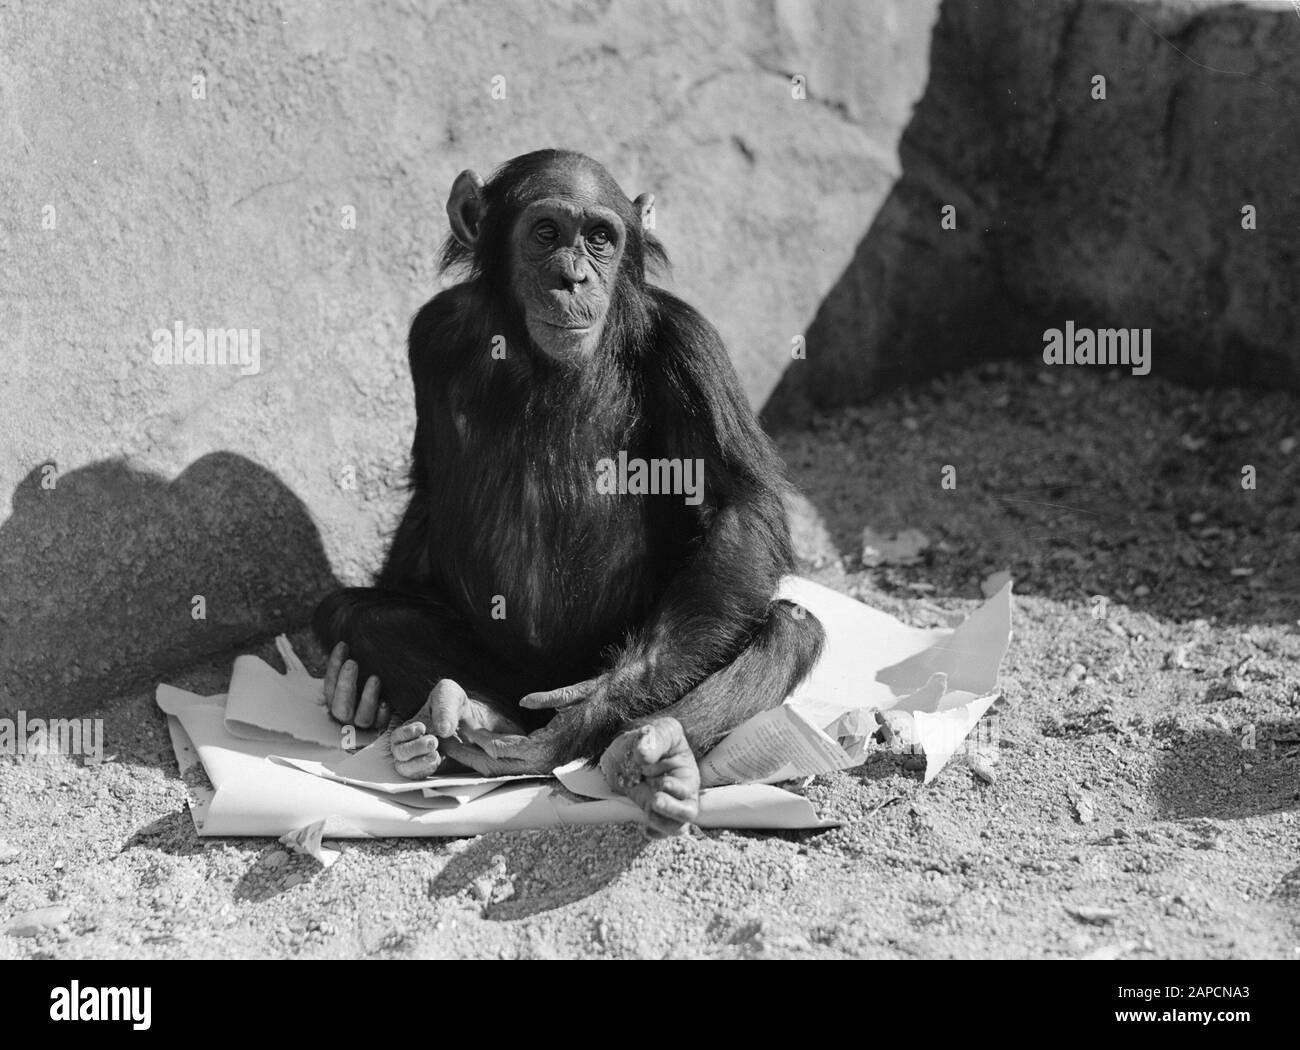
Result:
<point x="8" y="853"/>
<point x="293" y="880"/>
<point x="276" y="859"/>
<point x="37" y="921"/>
<point x="481" y="889"/>
<point x="1094" y="915"/>
<point x="1084" y="808"/>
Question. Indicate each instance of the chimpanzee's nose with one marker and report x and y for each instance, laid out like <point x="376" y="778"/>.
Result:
<point x="571" y="276"/>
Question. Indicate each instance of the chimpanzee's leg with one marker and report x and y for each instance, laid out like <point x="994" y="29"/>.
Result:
<point x="778" y="658"/>
<point x="654" y="764"/>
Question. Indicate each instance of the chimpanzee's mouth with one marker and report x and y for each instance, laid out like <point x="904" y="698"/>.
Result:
<point x="568" y="327"/>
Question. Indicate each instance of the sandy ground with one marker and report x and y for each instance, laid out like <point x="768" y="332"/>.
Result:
<point x="1129" y="816"/>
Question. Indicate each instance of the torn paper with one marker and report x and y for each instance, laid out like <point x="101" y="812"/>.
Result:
<point x="308" y="841"/>
<point x="263" y="704"/>
<point x="372" y="768"/>
<point x="776" y="745"/>
<point x="944" y="677"/>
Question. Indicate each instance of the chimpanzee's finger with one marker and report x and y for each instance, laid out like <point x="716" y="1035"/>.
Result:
<point x="406" y="750"/>
<point x="675" y="798"/>
<point x="408" y="731"/>
<point x="421" y="767"/>
<point x="659" y="826"/>
<point x="482" y="764"/>
<point x="661" y="739"/>
<point x="344" y="704"/>
<point x="562" y="697"/>
<point x="332" y="666"/>
<point x="383" y="716"/>
<point x="446" y="705"/>
<point x="647" y="771"/>
<point x="368" y="705"/>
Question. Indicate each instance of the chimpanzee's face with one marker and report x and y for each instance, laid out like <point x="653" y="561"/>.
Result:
<point x="565" y="253"/>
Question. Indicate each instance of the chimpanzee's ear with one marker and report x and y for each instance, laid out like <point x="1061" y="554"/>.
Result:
<point x="645" y="207"/>
<point x="465" y="207"/>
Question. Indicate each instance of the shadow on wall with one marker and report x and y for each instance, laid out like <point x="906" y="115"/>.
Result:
<point x="127" y="561"/>
<point x="1167" y="204"/>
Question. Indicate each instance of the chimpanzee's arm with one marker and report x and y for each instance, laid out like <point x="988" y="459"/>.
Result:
<point x="721" y="593"/>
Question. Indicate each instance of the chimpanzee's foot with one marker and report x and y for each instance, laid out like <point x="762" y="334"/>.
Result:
<point x="422" y="743"/>
<point x="654" y="767"/>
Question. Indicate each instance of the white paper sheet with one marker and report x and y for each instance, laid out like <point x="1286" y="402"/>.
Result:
<point x="263" y="704"/>
<point x="372" y="768"/>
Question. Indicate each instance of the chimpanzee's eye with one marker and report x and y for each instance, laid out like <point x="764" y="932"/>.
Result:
<point x="545" y="232"/>
<point x="599" y="239"/>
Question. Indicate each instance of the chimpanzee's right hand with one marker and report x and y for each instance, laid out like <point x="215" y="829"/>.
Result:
<point x="366" y="711"/>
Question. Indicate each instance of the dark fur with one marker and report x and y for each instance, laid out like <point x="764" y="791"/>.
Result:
<point x="677" y="599"/>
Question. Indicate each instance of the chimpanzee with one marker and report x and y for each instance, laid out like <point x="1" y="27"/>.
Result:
<point x="539" y="604"/>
